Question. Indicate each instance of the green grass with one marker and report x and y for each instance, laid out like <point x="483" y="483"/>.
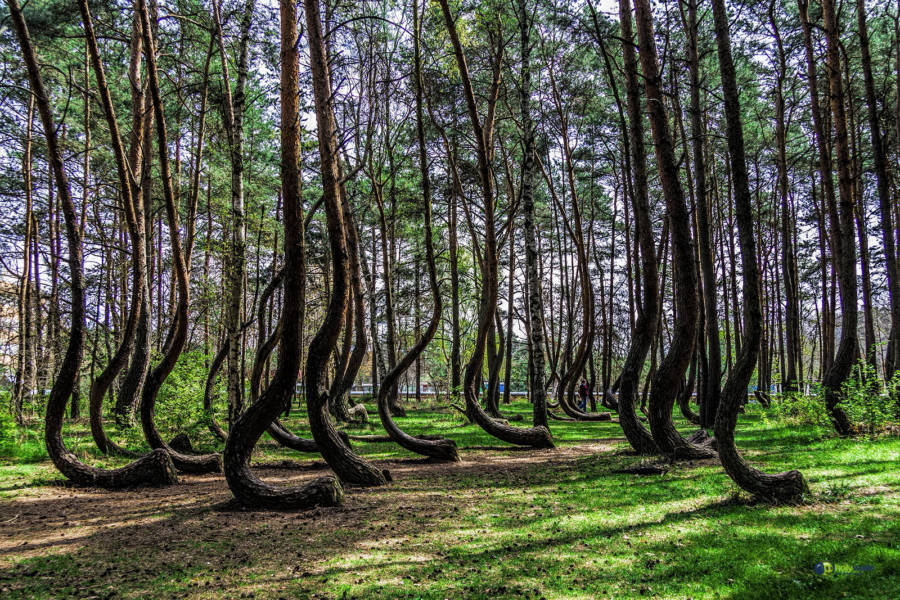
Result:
<point x="503" y="524"/>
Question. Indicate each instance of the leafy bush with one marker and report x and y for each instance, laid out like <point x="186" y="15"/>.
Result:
<point x="867" y="400"/>
<point x="796" y="408"/>
<point x="179" y="405"/>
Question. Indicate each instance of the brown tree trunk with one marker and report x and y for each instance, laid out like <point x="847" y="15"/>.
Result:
<point x="844" y="244"/>
<point x="156" y="467"/>
<point x="348" y="466"/>
<point x="538" y="436"/>
<point x="128" y="189"/>
<point x="188" y="463"/>
<point x="440" y="449"/>
<point x="789" y="486"/>
<point x="789" y="278"/>
<point x="883" y="180"/>
<point x="671" y="369"/>
<point x="247" y="488"/>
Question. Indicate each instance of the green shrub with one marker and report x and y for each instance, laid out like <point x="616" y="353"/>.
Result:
<point x="19" y="443"/>
<point x="179" y="405"/>
<point x="867" y="400"/>
<point x="796" y="408"/>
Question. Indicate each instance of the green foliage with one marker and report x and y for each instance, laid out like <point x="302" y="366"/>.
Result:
<point x="504" y="524"/>
<point x="19" y="444"/>
<point x="867" y="400"/>
<point x="179" y="406"/>
<point x="795" y="408"/>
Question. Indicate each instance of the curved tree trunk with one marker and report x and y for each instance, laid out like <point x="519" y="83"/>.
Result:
<point x="249" y="427"/>
<point x="712" y="374"/>
<point x="348" y="466"/>
<point x="787" y="486"/>
<point x="100" y="385"/>
<point x="684" y="395"/>
<point x="845" y="245"/>
<point x="441" y="449"/>
<point x="156" y="468"/>
<point x="672" y="367"/>
<point x="539" y="436"/>
<point x="645" y="325"/>
<point x="141" y="123"/>
<point x="206" y="463"/>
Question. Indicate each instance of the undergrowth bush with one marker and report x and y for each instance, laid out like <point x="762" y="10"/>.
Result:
<point x="179" y="405"/>
<point x="866" y="399"/>
<point x="796" y="408"/>
<point x="20" y="443"/>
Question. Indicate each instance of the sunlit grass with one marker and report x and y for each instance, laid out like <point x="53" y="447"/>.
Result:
<point x="503" y="524"/>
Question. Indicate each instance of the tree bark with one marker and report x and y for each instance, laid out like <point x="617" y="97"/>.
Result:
<point x="844" y="249"/>
<point x="789" y="486"/>
<point x="440" y="449"/>
<point x="539" y="436"/>
<point x="348" y="466"/>
<point x="247" y="488"/>
<point x="884" y="192"/>
<point x="671" y="369"/>
<point x="155" y="468"/>
<point x="206" y="463"/>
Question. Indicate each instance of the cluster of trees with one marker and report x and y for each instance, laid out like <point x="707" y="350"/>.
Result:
<point x="415" y="189"/>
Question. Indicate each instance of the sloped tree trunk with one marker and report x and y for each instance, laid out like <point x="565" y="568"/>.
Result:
<point x="156" y="468"/>
<point x="645" y="325"/>
<point x="884" y="191"/>
<point x="440" y="449"/>
<point x="789" y="486"/>
<point x="671" y="369"/>
<point x="539" y="436"/>
<point x="349" y="467"/>
<point x="129" y="189"/>
<point x="844" y="249"/>
<point x="247" y="488"/>
<point x="207" y="463"/>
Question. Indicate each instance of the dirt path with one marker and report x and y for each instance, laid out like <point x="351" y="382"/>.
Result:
<point x="91" y="542"/>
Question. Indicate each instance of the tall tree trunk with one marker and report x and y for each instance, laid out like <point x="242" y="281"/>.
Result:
<point x="671" y="369"/>
<point x="233" y="110"/>
<point x="247" y="488"/>
<point x="441" y="449"/>
<point x="789" y="486"/>
<point x="844" y="249"/>
<point x="883" y="179"/>
<point x="526" y="195"/>
<point x="128" y="189"/>
<point x="24" y="362"/>
<point x="348" y="466"/>
<point x="538" y="436"/>
<point x="156" y="467"/>
<point x="713" y="367"/>
<point x="188" y="463"/>
<point x="788" y="267"/>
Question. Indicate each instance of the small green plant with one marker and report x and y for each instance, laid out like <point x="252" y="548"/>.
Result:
<point x="835" y="492"/>
<point x="19" y="443"/>
<point x="179" y="406"/>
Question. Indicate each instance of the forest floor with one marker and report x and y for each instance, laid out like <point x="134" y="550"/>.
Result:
<point x="503" y="523"/>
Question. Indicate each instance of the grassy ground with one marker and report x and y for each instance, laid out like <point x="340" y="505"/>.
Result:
<point x="504" y="523"/>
